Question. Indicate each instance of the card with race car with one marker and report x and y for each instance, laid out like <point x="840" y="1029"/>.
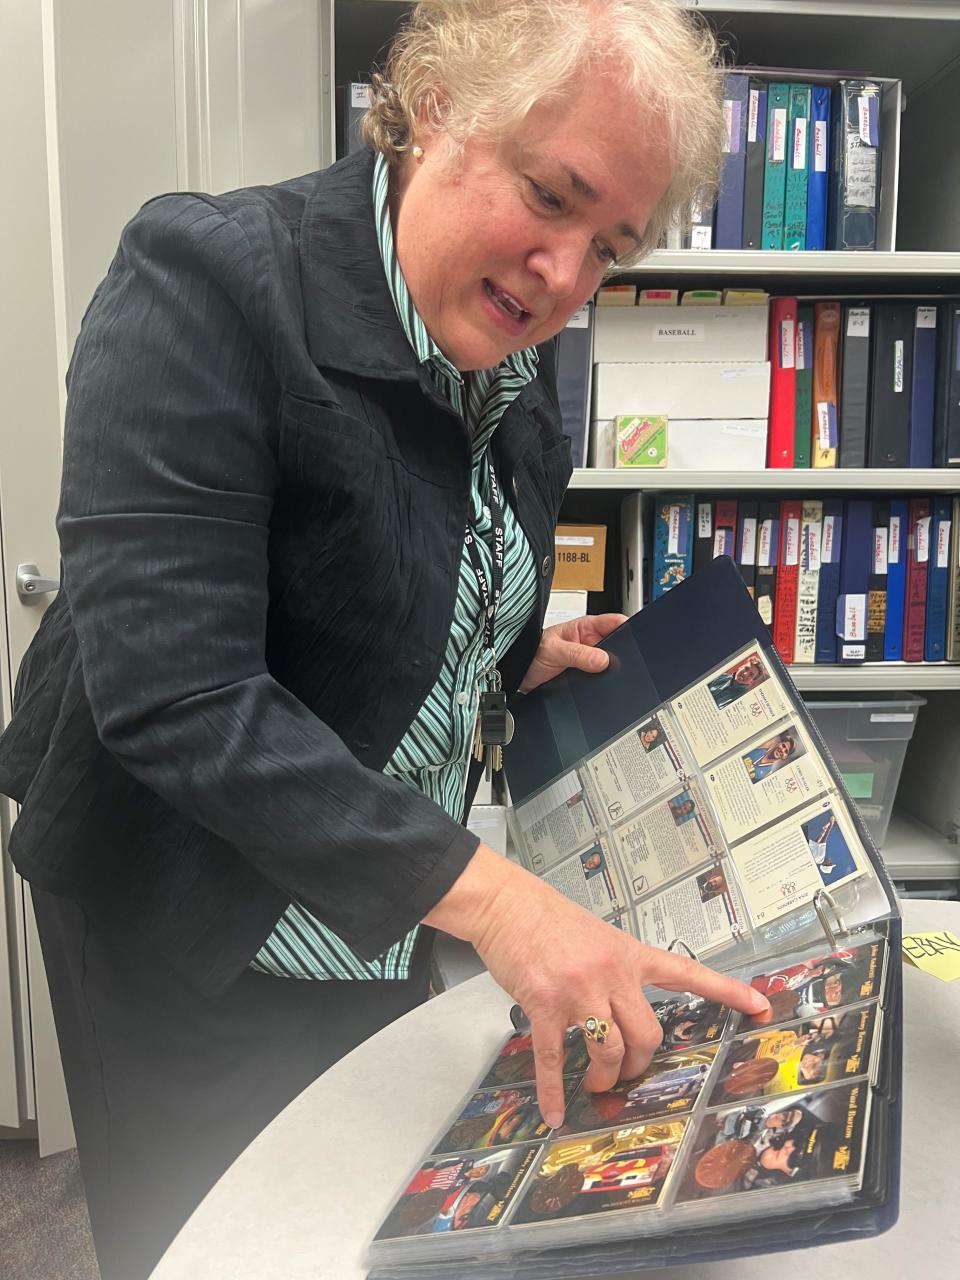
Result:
<point x="824" y="1050"/>
<point x="497" y="1118"/>
<point x="669" y="1087"/>
<point x="620" y="1169"/>
<point x="514" y="1061"/>
<point x="808" y="987"/>
<point x="687" y="1021"/>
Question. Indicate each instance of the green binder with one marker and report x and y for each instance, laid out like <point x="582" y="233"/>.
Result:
<point x="798" y="151"/>
<point x="775" y="166"/>
<point x="803" y="395"/>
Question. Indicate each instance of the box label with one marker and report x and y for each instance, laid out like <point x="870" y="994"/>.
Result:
<point x="679" y="332"/>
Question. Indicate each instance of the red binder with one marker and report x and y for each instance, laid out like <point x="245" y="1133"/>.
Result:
<point x="788" y="579"/>
<point x="915" y="600"/>
<point x="783" y="382"/>
<point x="725" y="528"/>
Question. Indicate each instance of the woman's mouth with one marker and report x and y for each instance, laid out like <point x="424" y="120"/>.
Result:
<point x="507" y="306"/>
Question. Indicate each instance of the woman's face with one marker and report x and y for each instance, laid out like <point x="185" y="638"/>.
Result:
<point x="501" y="245"/>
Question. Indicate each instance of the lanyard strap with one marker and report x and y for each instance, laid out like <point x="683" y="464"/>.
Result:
<point x="490" y="590"/>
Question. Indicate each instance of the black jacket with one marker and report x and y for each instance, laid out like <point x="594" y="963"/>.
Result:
<point x="261" y="524"/>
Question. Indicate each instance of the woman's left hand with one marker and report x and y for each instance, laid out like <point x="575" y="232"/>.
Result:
<point x="570" y="644"/>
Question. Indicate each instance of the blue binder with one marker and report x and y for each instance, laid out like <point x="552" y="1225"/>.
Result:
<point x="672" y="544"/>
<point x="896" y="579"/>
<point x="938" y="573"/>
<point x="818" y="173"/>
<point x="923" y="391"/>
<point x="831" y="549"/>
<point x="729" y="233"/>
<point x="855" y="565"/>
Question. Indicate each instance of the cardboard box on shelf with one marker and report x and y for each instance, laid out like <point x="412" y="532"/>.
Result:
<point x="564" y="605"/>
<point x="579" y="557"/>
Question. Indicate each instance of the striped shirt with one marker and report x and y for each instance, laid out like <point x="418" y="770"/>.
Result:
<point x="435" y="751"/>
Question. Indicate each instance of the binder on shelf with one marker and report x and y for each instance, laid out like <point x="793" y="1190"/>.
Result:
<point x="924" y="387"/>
<point x="877" y="583"/>
<point x="896" y="579"/>
<point x="700" y="235"/>
<point x="855" y="185"/>
<point x="953" y="587"/>
<point x="729" y="218"/>
<point x="946" y="426"/>
<point x="746" y="556"/>
<point x="795" y="196"/>
<point x="788" y="578"/>
<point x="808" y="585"/>
<point x="755" y="165"/>
<point x="703" y="534"/>
<point x="768" y="558"/>
<point x="856" y="562"/>
<point x="574" y="366"/>
<point x="938" y="571"/>
<point x="915" y="597"/>
<point x="783" y="385"/>
<point x="818" y="168"/>
<point x="775" y="166"/>
<point x="893" y="329"/>
<point x="826" y="347"/>
<point x="355" y="102"/>
<point x="831" y="551"/>
<point x="803" y="398"/>
<point x="672" y="543"/>
<point x="854" y="385"/>
<point x="725" y="528"/>
<point x="633" y="554"/>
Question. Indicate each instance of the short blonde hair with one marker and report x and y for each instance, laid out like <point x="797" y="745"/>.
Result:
<point x="479" y="66"/>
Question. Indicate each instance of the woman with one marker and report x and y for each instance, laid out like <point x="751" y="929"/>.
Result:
<point x="301" y="420"/>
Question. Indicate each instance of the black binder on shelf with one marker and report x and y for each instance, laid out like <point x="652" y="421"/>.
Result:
<point x="893" y="326"/>
<point x="574" y="366"/>
<point x="756" y="159"/>
<point x="702" y="533"/>
<point x="854" y="384"/>
<point x="877" y="583"/>
<point x="354" y="104"/>
<point x="855" y="182"/>
<point x="946" y="417"/>
<point x="667" y="675"/>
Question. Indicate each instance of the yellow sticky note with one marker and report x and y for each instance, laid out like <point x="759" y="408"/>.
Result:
<point x="936" y="953"/>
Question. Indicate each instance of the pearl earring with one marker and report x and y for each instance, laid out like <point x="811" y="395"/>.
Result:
<point x="418" y="154"/>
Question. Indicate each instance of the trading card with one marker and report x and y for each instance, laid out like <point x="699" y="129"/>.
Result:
<point x="767" y="1145"/>
<point x="688" y="1021"/>
<point x="731" y="705"/>
<point x="825" y="982"/>
<point x="669" y="1087"/>
<point x="514" y="1062"/>
<point x="824" y="1050"/>
<point x="619" y="1169"/>
<point x="674" y="835"/>
<point x="636" y="768"/>
<point x="497" y="1118"/>
<point x="554" y="823"/>
<point x="458" y="1193"/>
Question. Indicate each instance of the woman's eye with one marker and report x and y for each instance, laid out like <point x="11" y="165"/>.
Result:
<point x="546" y="198"/>
<point x="606" y="254"/>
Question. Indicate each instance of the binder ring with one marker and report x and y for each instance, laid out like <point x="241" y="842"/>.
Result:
<point x="825" y="896"/>
<point x="678" y="943"/>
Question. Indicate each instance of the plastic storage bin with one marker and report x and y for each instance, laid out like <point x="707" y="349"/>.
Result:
<point x="868" y="740"/>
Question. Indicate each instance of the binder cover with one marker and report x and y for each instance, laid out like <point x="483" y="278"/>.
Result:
<point x="938" y="573"/>
<point x="355" y="102"/>
<point x="855" y="181"/>
<point x="755" y="165"/>
<point x="803" y="398"/>
<point x="915" y="599"/>
<point x="826" y="345"/>
<point x="783" y="339"/>
<point x="730" y="203"/>
<point x="808" y="589"/>
<point x="775" y="166"/>
<point x="924" y="387"/>
<point x="768" y="558"/>
<point x="725" y="527"/>
<point x="831" y="551"/>
<point x="896" y="579"/>
<point x="856" y="563"/>
<point x="788" y="576"/>
<point x="574" y="365"/>
<point x="700" y="235"/>
<point x="854" y="385"/>
<point x="818" y="168"/>
<point x="703" y="534"/>
<point x="795" y="198"/>
<point x="877" y="585"/>
<point x="946" y="438"/>
<point x="893" y="325"/>
<point x="953" y="587"/>
<point x="672" y="543"/>
<point x="746" y="556"/>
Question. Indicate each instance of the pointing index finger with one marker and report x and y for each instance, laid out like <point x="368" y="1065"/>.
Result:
<point x="680" y="973"/>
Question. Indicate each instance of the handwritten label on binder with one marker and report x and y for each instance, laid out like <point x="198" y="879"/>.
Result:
<point x="723" y="543"/>
<point x="898" y="365"/>
<point x="880" y="550"/>
<point x="926" y="317"/>
<point x="791" y="541"/>
<point x="701" y="237"/>
<point x="764" y="557"/>
<point x="803" y="345"/>
<point x="731" y="125"/>
<point x="893" y="541"/>
<point x="810" y="556"/>
<point x="778" y="135"/>
<point x="867" y="119"/>
<point x="800" y="142"/>
<point x="673" y="530"/>
<point x="748" y="541"/>
<point x="580" y="318"/>
<point x="826" y="424"/>
<point x="820" y="146"/>
<point x="787" y="344"/>
<point x="359" y="96"/>
<point x="858" y="322"/>
<point x="826" y="545"/>
<point x="943" y="544"/>
<point x="753" y="115"/>
<point x="704" y="520"/>
<point x="923" y="540"/>
<point x="861" y="176"/>
<point x="855" y="617"/>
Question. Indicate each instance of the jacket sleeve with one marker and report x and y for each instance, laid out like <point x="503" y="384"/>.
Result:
<point x="170" y="471"/>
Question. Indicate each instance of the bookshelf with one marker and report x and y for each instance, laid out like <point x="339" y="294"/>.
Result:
<point x="876" y="479"/>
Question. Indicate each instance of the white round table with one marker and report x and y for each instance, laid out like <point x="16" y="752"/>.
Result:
<point x="304" y="1199"/>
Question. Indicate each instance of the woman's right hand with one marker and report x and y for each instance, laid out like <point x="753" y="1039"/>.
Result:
<point x="564" y="965"/>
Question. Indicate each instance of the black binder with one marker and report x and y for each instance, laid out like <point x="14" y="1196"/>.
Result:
<point x="946" y="422"/>
<point x="855" y="180"/>
<point x="892" y="382"/>
<point x="574" y="364"/>
<point x="756" y="153"/>
<point x="854" y="384"/>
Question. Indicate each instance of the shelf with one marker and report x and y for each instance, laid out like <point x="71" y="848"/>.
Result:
<point x="770" y="262"/>
<point x="914" y="851"/>
<point x="890" y="676"/>
<point x="800" y="480"/>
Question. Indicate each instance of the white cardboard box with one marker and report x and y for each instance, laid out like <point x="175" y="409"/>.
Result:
<point x="659" y="334"/>
<point x="702" y="389"/>
<point x="489" y="822"/>
<point x="696" y="444"/>
<point x="564" y="605"/>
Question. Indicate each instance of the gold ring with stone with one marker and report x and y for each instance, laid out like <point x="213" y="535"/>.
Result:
<point x="596" y="1029"/>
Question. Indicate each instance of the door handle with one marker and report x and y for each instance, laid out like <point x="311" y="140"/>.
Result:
<point x="30" y="584"/>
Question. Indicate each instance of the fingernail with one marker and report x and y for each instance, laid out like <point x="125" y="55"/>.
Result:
<point x="600" y="660"/>
<point x="554" y="1119"/>
<point x="759" y="1001"/>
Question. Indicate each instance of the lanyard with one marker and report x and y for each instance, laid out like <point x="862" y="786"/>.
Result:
<point x="491" y="590"/>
